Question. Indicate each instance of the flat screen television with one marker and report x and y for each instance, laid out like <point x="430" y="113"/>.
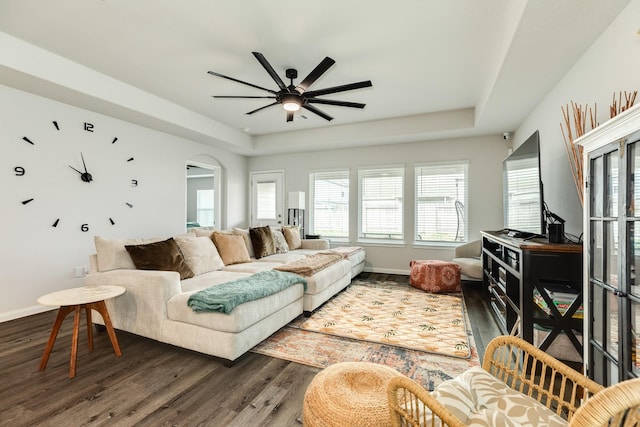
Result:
<point x="522" y="190"/>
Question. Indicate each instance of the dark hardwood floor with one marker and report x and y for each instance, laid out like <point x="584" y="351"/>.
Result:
<point x="154" y="384"/>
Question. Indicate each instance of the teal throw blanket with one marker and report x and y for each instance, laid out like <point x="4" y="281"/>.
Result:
<point x="226" y="296"/>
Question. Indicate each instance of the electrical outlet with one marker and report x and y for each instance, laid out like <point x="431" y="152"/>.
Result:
<point x="79" y="271"/>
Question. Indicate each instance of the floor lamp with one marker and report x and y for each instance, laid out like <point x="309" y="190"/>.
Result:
<point x="295" y="214"/>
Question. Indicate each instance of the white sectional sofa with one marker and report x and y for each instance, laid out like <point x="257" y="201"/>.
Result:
<point x="155" y="304"/>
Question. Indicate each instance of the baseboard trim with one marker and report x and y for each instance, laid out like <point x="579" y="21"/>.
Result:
<point x="24" y="312"/>
<point x="387" y="271"/>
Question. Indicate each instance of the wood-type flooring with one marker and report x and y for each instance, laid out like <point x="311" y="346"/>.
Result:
<point x="154" y="384"/>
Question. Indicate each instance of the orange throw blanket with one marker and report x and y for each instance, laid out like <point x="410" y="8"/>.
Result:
<point x="311" y="264"/>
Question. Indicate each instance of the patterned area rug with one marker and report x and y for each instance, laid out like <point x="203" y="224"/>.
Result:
<point x="321" y="350"/>
<point x="397" y="315"/>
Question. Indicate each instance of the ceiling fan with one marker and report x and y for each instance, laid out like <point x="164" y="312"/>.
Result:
<point x="293" y="97"/>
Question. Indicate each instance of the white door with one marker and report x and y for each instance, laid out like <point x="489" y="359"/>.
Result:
<point x="267" y="200"/>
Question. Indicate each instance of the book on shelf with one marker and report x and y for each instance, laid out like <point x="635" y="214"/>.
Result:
<point x="562" y="301"/>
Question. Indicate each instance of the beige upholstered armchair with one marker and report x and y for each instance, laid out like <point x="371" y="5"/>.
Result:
<point x="468" y="257"/>
<point x="518" y="384"/>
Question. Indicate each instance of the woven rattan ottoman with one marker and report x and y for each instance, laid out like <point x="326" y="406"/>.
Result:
<point x="349" y="394"/>
<point x="435" y="276"/>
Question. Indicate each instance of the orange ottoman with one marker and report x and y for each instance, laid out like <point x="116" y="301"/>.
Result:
<point x="435" y="276"/>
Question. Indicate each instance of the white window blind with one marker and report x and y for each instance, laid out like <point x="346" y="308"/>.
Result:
<point x="205" y="207"/>
<point x="266" y="200"/>
<point x="441" y="194"/>
<point x="330" y="203"/>
<point x="381" y="193"/>
<point x="522" y="190"/>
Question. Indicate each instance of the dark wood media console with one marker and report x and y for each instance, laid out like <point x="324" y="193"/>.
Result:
<point x="517" y="269"/>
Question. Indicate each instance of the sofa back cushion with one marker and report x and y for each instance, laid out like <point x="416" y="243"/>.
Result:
<point x="200" y="254"/>
<point x="232" y="247"/>
<point x="164" y="256"/>
<point x="262" y="241"/>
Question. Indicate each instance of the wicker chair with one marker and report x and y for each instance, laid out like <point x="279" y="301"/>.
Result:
<point x="530" y="371"/>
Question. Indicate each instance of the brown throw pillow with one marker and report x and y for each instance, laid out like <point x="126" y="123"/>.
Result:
<point x="164" y="256"/>
<point x="292" y="235"/>
<point x="231" y="247"/>
<point x="262" y="241"/>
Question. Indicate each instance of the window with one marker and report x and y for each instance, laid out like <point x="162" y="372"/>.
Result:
<point x="266" y="200"/>
<point x="205" y="207"/>
<point x="381" y="204"/>
<point x="441" y="195"/>
<point x="330" y="203"/>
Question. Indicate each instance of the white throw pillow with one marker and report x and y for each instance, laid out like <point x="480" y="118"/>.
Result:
<point x="112" y="254"/>
<point x="200" y="254"/>
<point x="278" y="239"/>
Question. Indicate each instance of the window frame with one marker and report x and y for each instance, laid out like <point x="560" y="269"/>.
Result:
<point x="464" y="164"/>
<point x="401" y="168"/>
<point x="312" y="203"/>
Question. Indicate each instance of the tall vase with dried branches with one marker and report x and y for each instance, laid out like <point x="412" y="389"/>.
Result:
<point x="578" y="118"/>
<point x="571" y="133"/>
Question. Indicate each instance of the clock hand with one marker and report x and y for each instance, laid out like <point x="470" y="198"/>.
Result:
<point x="83" y="163"/>
<point x="75" y="169"/>
<point x="84" y="176"/>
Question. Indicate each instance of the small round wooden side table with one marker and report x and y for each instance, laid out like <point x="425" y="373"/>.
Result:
<point x="75" y="300"/>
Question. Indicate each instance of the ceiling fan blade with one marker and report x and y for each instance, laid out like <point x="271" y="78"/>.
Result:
<point x="260" y="57"/>
<point x="342" y="88"/>
<point x="262" y="108"/>
<point x="318" y="112"/>
<point x="242" y="97"/>
<point x="338" y="103"/>
<point x="320" y="69"/>
<point x="289" y="116"/>
<point x="213" y="73"/>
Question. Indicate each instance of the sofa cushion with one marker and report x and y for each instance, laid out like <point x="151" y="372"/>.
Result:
<point x="200" y="254"/>
<point x="252" y="267"/>
<point x="284" y="258"/>
<point x="112" y="255"/>
<point x="231" y="247"/>
<point x="279" y="241"/>
<point x="292" y="235"/>
<point x="164" y="256"/>
<point x="262" y="241"/>
<point x="478" y="398"/>
<point x="323" y="279"/>
<point x="242" y="317"/>
<point x="247" y="239"/>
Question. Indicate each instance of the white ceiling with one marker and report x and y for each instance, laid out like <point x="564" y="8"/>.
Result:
<point x="439" y="68"/>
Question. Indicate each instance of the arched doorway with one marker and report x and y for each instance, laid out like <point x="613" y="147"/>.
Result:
<point x="204" y="192"/>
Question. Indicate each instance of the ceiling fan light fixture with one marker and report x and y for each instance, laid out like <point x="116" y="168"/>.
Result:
<point x="291" y="103"/>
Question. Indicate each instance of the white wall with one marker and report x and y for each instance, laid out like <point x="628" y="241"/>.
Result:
<point x="485" y="156"/>
<point x="36" y="258"/>
<point x="610" y="65"/>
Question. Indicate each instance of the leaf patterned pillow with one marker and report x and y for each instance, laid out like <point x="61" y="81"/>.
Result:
<point x="479" y="399"/>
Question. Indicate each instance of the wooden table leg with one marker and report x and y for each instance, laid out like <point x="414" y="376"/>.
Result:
<point x="89" y="327"/>
<point x="62" y="313"/>
<point x="74" y="340"/>
<point x="101" y="308"/>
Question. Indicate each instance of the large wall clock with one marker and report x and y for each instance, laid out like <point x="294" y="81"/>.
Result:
<point x="86" y="173"/>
